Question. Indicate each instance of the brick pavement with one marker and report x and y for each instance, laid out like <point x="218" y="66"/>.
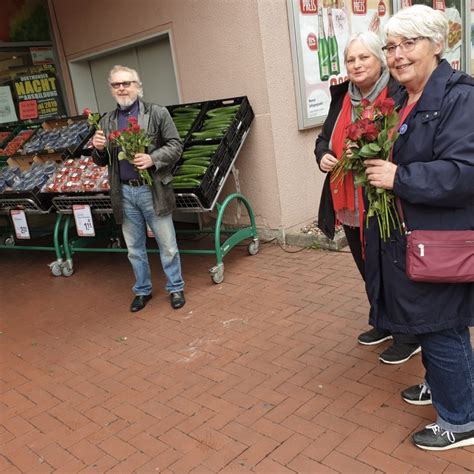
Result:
<point x="259" y="374"/>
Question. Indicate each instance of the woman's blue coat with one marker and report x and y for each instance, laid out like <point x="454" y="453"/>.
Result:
<point x="435" y="183"/>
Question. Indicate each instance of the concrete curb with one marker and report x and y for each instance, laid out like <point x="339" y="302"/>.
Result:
<point x="300" y="239"/>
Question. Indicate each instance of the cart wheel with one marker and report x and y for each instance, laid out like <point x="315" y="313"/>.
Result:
<point x="252" y="248"/>
<point x="217" y="273"/>
<point x="115" y="243"/>
<point x="67" y="269"/>
<point x="10" y="240"/>
<point x="55" y="268"/>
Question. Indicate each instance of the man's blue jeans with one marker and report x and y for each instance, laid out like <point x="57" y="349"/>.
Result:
<point x="448" y="360"/>
<point x="138" y="210"/>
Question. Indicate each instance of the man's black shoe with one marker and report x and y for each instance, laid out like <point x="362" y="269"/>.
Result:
<point x="139" y="302"/>
<point x="417" y="395"/>
<point x="399" y="353"/>
<point x="435" y="438"/>
<point x="374" y="336"/>
<point x="177" y="299"/>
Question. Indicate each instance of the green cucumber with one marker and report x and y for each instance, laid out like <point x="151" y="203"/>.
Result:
<point x="214" y="133"/>
<point x="190" y="169"/>
<point x="223" y="110"/>
<point x="197" y="161"/>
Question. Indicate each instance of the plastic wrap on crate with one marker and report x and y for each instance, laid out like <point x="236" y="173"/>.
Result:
<point x="22" y="188"/>
<point x="34" y="178"/>
<point x="184" y="122"/>
<point x="66" y="137"/>
<point x="16" y="141"/>
<point x="77" y="176"/>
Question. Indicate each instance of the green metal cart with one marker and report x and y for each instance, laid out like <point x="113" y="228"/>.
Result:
<point x="101" y="208"/>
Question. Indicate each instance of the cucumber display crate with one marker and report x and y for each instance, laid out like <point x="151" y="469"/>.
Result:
<point x="210" y="150"/>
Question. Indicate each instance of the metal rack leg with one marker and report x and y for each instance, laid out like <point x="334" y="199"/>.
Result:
<point x="67" y="268"/>
<point x="217" y="272"/>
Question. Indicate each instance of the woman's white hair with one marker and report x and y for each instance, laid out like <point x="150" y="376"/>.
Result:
<point x="136" y="77"/>
<point x="372" y="42"/>
<point x="419" y="20"/>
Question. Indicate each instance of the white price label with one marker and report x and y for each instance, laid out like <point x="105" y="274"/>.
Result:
<point x="83" y="219"/>
<point x="149" y="232"/>
<point x="20" y="224"/>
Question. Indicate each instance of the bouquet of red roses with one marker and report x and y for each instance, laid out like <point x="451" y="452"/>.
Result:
<point x="132" y="140"/>
<point x="371" y="135"/>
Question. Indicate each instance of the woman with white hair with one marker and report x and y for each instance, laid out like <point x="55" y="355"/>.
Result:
<point x="368" y="79"/>
<point x="432" y="174"/>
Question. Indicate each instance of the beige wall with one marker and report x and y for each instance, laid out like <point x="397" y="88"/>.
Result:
<point x="222" y="48"/>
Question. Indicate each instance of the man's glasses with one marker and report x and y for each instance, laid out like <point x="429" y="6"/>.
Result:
<point x="124" y="84"/>
<point x="405" y="46"/>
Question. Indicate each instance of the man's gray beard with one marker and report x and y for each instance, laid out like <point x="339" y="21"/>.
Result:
<point x="125" y="101"/>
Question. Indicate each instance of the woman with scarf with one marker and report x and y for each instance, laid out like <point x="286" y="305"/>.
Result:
<point x="432" y="176"/>
<point x="369" y="79"/>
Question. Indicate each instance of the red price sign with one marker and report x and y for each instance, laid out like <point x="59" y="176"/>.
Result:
<point x="28" y="109"/>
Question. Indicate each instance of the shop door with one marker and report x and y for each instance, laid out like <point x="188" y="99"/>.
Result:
<point x="154" y="64"/>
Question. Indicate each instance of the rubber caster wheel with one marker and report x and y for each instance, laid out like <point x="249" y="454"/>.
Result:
<point x="115" y="244"/>
<point x="10" y="240"/>
<point x="67" y="269"/>
<point x="217" y="274"/>
<point x="56" y="269"/>
<point x="252" y="248"/>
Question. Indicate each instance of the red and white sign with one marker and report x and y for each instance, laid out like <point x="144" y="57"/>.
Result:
<point x="309" y="7"/>
<point x="312" y="42"/>
<point x="83" y="218"/>
<point x="359" y="7"/>
<point x="439" y="5"/>
<point x="42" y="55"/>
<point x="28" y="109"/>
<point x="20" y="224"/>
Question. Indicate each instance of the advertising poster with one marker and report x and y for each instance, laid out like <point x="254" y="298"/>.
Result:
<point x="7" y="108"/>
<point x="321" y="31"/>
<point x="38" y="96"/>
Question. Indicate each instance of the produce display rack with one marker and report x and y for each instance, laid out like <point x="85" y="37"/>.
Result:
<point x="200" y="199"/>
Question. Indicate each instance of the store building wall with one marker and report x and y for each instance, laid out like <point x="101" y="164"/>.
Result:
<point x="221" y="48"/>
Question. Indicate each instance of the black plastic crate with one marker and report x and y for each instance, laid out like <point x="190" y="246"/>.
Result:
<point x="6" y="133"/>
<point x="213" y="180"/>
<point x="234" y="135"/>
<point x="30" y="200"/>
<point x="243" y="104"/>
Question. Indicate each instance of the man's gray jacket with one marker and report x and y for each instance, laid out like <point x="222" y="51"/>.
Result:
<point x="165" y="151"/>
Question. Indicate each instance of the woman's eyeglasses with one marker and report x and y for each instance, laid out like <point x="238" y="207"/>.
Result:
<point x="124" y="84"/>
<point x="405" y="46"/>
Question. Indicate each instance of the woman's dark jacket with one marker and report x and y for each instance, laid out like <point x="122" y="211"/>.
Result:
<point x="435" y="183"/>
<point x="165" y="151"/>
<point x="326" y="215"/>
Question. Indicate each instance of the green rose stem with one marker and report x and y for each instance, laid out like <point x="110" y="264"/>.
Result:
<point x="93" y="119"/>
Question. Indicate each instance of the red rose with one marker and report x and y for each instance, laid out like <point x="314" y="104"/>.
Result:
<point x="365" y="103"/>
<point x="369" y="130"/>
<point x="353" y="132"/>
<point x="86" y="111"/>
<point x="132" y="120"/>
<point x="368" y="113"/>
<point x="117" y="133"/>
<point x="386" y="106"/>
<point x="111" y="137"/>
<point x="135" y="128"/>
